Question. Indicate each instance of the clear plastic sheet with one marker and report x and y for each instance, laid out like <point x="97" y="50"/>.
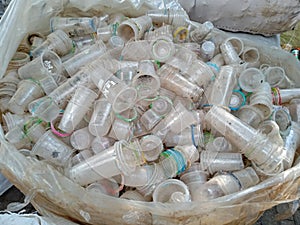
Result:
<point x="54" y="194"/>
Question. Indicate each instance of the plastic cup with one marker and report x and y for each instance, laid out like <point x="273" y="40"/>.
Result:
<point x="207" y="51"/>
<point x="223" y="86"/>
<point x="251" y="79"/>
<point x="111" y="162"/>
<point x="237" y="100"/>
<point x="170" y="16"/>
<point x="74" y="64"/>
<point x="291" y="144"/>
<point x="81" y="139"/>
<point x="18" y="60"/>
<point x="151" y="147"/>
<point x="219" y="144"/>
<point x="190" y="152"/>
<point x="81" y="156"/>
<point x="116" y="42"/>
<point x="257" y="147"/>
<point x="76" y="109"/>
<point x="146" y="81"/>
<point x="276" y="77"/>
<point x="136" y="51"/>
<point x="45" y="65"/>
<point x="230" y="53"/>
<point x="162" y="48"/>
<point x="140" y="177"/>
<point x="220" y="161"/>
<point x="165" y="31"/>
<point x="17" y="137"/>
<point x="171" y="191"/>
<point x="105" y="186"/>
<point x="27" y="91"/>
<point x="200" y="73"/>
<point x="11" y="120"/>
<point x="218" y="60"/>
<point x="165" y="93"/>
<point x="247" y="177"/>
<point x="33" y="129"/>
<point x="294" y="109"/>
<point x="172" y="80"/>
<point x="99" y="144"/>
<point x="251" y="56"/>
<point x="237" y="44"/>
<point x="271" y="129"/>
<point x="134" y="28"/>
<point x="48" y="84"/>
<point x="133" y="195"/>
<point x="50" y="148"/>
<point x="150" y="119"/>
<point x="282" y="118"/>
<point x="101" y="119"/>
<point x="191" y="176"/>
<point x="282" y="96"/>
<point x="250" y="115"/>
<point x="120" y="130"/>
<point x="201" y="31"/>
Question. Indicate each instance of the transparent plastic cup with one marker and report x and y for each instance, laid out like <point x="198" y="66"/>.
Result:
<point x="105" y="33"/>
<point x="194" y="175"/>
<point x="151" y="147"/>
<point x="223" y="86"/>
<point x="213" y="162"/>
<point x="150" y="119"/>
<point x="291" y="144"/>
<point x="34" y="129"/>
<point x="133" y="195"/>
<point x="237" y="100"/>
<point x="165" y="31"/>
<point x="146" y="81"/>
<point x="105" y="186"/>
<point x="81" y="139"/>
<point x="257" y="147"/>
<point x="171" y="191"/>
<point x="48" y="84"/>
<point x="118" y="159"/>
<point x="250" y="115"/>
<point x="11" y="120"/>
<point x="167" y="93"/>
<point x="74" y="64"/>
<point x="27" y="91"/>
<point x="99" y="144"/>
<point x="207" y="51"/>
<point x="276" y="77"/>
<point x="237" y="44"/>
<point x="247" y="177"/>
<point x="57" y="41"/>
<point x="199" y="34"/>
<point x="294" y="109"/>
<point x="170" y="16"/>
<point x="116" y="42"/>
<point x="81" y="156"/>
<point x="190" y="152"/>
<point x="271" y="129"/>
<point x="136" y="51"/>
<point x="17" y="137"/>
<point x="45" y="65"/>
<point x="283" y="119"/>
<point x="76" y="109"/>
<point x="140" y="177"/>
<point x="251" y="56"/>
<point x="50" y="148"/>
<point x="120" y="130"/>
<point x="162" y="48"/>
<point x="101" y="119"/>
<point x="172" y="80"/>
<point x="230" y="53"/>
<point x="251" y="79"/>
<point x="134" y="28"/>
<point x="219" y="144"/>
<point x="200" y="73"/>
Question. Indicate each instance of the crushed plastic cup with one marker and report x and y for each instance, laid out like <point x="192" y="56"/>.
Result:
<point x="173" y="17"/>
<point x="118" y="159"/>
<point x="27" y="91"/>
<point x="81" y="139"/>
<point x="207" y="50"/>
<point x="81" y="156"/>
<point x="57" y="41"/>
<point x="171" y="191"/>
<point x="257" y="147"/>
<point x="251" y="79"/>
<point x="213" y="161"/>
<point x="134" y="28"/>
<point x="276" y="77"/>
<point x="199" y="34"/>
<point x="46" y="64"/>
<point x="101" y="119"/>
<point x="99" y="144"/>
<point x="250" y="115"/>
<point x="52" y="149"/>
<point x="172" y="80"/>
<point x="223" y="86"/>
<point x="151" y="147"/>
<point x="76" y="109"/>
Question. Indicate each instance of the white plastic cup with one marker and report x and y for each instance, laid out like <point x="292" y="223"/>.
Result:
<point x="219" y="144"/>
<point x="46" y="64"/>
<point x="151" y="147"/>
<point x="207" y="51"/>
<point x="229" y="53"/>
<point x="146" y="81"/>
<point x="81" y="156"/>
<point x="220" y="161"/>
<point x="76" y="109"/>
<point x="170" y="16"/>
<point x="251" y="79"/>
<point x="223" y="86"/>
<point x="27" y="91"/>
<point x="118" y="159"/>
<point x="99" y="144"/>
<point x="81" y="139"/>
<point x="250" y="115"/>
<point x="171" y="191"/>
<point x="172" y="80"/>
<point x="50" y="148"/>
<point x="134" y="28"/>
<point x="101" y="119"/>
<point x="199" y="34"/>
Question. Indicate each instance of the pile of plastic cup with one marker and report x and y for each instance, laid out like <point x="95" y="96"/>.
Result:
<point x="153" y="108"/>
